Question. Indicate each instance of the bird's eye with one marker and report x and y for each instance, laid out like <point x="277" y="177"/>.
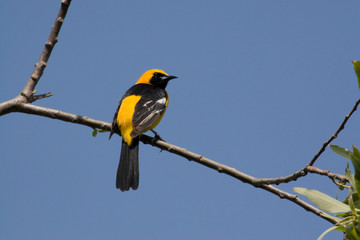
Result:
<point x="156" y="74"/>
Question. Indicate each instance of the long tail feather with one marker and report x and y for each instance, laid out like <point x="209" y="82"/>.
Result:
<point x="128" y="170"/>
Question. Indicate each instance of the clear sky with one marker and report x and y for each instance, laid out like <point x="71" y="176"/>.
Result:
<point x="261" y="85"/>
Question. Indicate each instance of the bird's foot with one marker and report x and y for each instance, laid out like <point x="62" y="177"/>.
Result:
<point x="156" y="137"/>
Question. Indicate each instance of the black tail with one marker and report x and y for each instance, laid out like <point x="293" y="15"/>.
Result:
<point x="128" y="170"/>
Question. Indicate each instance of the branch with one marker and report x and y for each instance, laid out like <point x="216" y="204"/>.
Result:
<point x="57" y="114"/>
<point x="45" y="55"/>
<point x="26" y="95"/>
<point x="221" y="168"/>
<point x="301" y="173"/>
<point x="342" y="126"/>
<point x="295" y="199"/>
<point x="34" y="98"/>
<point x="332" y="176"/>
<point x="309" y="168"/>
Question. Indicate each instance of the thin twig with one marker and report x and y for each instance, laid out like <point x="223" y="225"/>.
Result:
<point x="292" y="177"/>
<point x="301" y="173"/>
<point x="331" y="175"/>
<point x="34" y="98"/>
<point x="26" y="95"/>
<point x="45" y="55"/>
<point x="322" y="149"/>
<point x="309" y="168"/>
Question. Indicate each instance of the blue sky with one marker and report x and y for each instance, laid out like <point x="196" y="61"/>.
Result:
<point x="261" y="85"/>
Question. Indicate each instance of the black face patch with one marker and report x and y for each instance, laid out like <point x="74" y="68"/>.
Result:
<point x="159" y="80"/>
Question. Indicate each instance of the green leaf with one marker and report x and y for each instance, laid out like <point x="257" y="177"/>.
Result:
<point x="341" y="151"/>
<point x="350" y="177"/>
<point x="97" y="130"/>
<point x="323" y="201"/>
<point x="94" y="133"/>
<point x="357" y="70"/>
<point x="347" y="214"/>
<point x="351" y="233"/>
<point x="334" y="228"/>
<point x="355" y="159"/>
<point x="357" y="225"/>
<point x="346" y="221"/>
<point x="356" y="152"/>
<point x="356" y="201"/>
<point x="351" y="204"/>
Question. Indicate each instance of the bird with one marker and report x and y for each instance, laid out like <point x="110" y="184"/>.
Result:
<point x="140" y="109"/>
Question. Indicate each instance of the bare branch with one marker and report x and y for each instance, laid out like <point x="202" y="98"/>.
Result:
<point x="322" y="149"/>
<point x="331" y="175"/>
<point x="292" y="177"/>
<point x="309" y="168"/>
<point x="8" y="106"/>
<point x="57" y="114"/>
<point x="45" y="55"/>
<point x="301" y="173"/>
<point x="26" y="95"/>
<point x="221" y="168"/>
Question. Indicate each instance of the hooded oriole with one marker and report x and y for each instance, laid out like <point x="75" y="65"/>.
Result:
<point x="140" y="109"/>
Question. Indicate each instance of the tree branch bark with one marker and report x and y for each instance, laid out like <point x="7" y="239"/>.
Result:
<point x="57" y="114"/>
<point x="342" y="126"/>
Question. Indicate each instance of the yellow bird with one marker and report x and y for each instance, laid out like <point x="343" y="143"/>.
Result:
<point x="140" y="109"/>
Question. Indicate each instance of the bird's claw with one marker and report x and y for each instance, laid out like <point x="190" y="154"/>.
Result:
<point x="156" y="137"/>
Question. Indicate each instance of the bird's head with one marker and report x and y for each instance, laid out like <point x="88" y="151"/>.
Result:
<point x="155" y="77"/>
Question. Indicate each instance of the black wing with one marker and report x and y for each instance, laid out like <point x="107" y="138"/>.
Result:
<point x="148" y="110"/>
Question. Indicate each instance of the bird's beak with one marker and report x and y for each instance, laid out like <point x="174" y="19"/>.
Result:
<point x="168" y="78"/>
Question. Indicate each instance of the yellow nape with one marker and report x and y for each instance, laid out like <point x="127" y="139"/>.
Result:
<point x="125" y="115"/>
<point x="145" y="78"/>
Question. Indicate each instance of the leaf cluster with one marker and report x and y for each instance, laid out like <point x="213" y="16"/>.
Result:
<point x="348" y="211"/>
